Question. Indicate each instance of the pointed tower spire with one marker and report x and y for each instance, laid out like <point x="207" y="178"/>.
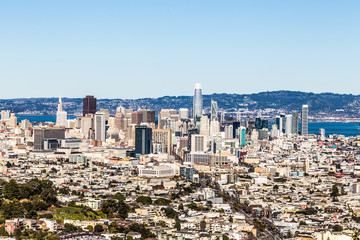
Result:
<point x="60" y="105"/>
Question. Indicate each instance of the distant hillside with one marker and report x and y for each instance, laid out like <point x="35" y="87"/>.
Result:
<point x="323" y="103"/>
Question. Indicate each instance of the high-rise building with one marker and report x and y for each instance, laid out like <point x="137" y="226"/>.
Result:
<point x="61" y="115"/>
<point x="148" y="116"/>
<point x="197" y="102"/>
<point x="143" y="140"/>
<point x="288" y="125"/>
<point x="137" y="118"/>
<point x="161" y="140"/>
<point x="214" y="110"/>
<point x="89" y="105"/>
<point x="242" y="136"/>
<point x="119" y="120"/>
<point x="100" y="126"/>
<point x="50" y="134"/>
<point x="13" y="121"/>
<point x="204" y="126"/>
<point x="5" y="115"/>
<point x="198" y="143"/>
<point x="183" y="113"/>
<point x="295" y="122"/>
<point x="304" y="120"/>
<point x="229" y="131"/>
<point x="322" y="134"/>
<point x="235" y="128"/>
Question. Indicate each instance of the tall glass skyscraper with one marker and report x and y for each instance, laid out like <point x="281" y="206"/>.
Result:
<point x="295" y="122"/>
<point x="197" y="101"/>
<point x="304" y="120"/>
<point x="214" y="111"/>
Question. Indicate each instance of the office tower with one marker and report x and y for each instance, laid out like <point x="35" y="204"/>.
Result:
<point x="260" y="123"/>
<point x="229" y="131"/>
<point x="295" y="122"/>
<point x="190" y="133"/>
<point x="197" y="102"/>
<point x="204" y="126"/>
<point x="214" y="111"/>
<point x="87" y="124"/>
<point x="148" y="116"/>
<point x="304" y="120"/>
<point x="288" y="125"/>
<point x="61" y="115"/>
<point x="136" y="118"/>
<point x="25" y="124"/>
<point x="143" y="140"/>
<point x="5" y="115"/>
<point x="198" y="143"/>
<point x="12" y="121"/>
<point x="283" y="117"/>
<point x="274" y="131"/>
<point x="119" y="120"/>
<point x="322" y="134"/>
<point x="184" y="113"/>
<point x="50" y="134"/>
<point x="107" y="114"/>
<point x="263" y="134"/>
<point x="242" y="136"/>
<point x="214" y="128"/>
<point x="89" y="105"/>
<point x="161" y="140"/>
<point x="236" y="125"/>
<point x="279" y="123"/>
<point x="121" y="109"/>
<point x="100" y="126"/>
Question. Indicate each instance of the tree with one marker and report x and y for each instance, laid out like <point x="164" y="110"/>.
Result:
<point x="302" y="223"/>
<point x="98" y="228"/>
<point x="356" y="234"/>
<point x="3" y="232"/>
<point x="225" y="237"/>
<point x="177" y="224"/>
<point x="11" y="190"/>
<point x="276" y="187"/>
<point x="119" y="196"/>
<point x="337" y="228"/>
<point x="90" y="228"/>
<point x="70" y="228"/>
<point x="162" y="202"/>
<point x="170" y="212"/>
<point x="334" y="191"/>
<point x="289" y="234"/>
<point x="202" y="225"/>
<point x="146" y="200"/>
<point x="181" y="207"/>
<point x="141" y="228"/>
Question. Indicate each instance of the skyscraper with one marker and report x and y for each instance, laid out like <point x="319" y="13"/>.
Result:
<point x="61" y="115"/>
<point x="89" y="105"/>
<point x="295" y="122"/>
<point x="197" y="101"/>
<point x="214" y="110"/>
<point x="288" y="125"/>
<point x="242" y="136"/>
<point x="99" y="126"/>
<point x="143" y="140"/>
<point x="304" y="120"/>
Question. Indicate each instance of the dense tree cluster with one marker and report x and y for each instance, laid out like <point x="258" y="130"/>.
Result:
<point x="35" y="195"/>
<point x="115" y="208"/>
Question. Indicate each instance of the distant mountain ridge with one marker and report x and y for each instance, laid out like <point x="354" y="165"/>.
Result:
<point x="346" y="105"/>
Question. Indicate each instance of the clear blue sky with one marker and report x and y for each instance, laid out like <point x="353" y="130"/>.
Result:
<point x="133" y="49"/>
